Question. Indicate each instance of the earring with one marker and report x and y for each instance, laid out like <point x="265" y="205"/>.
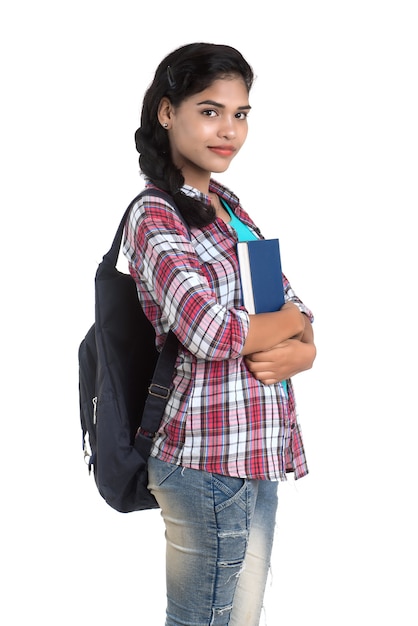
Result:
<point x="165" y="125"/>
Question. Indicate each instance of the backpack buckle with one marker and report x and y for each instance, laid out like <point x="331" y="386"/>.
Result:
<point x="159" y="391"/>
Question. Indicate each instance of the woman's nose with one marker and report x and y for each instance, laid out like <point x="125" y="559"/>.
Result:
<point x="227" y="129"/>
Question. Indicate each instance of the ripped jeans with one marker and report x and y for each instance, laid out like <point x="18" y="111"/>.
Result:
<point x="219" y="534"/>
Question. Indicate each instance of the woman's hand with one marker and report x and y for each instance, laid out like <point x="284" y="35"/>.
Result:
<point x="288" y="358"/>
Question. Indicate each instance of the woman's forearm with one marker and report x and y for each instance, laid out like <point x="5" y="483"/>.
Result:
<point x="270" y="329"/>
<point x="308" y="334"/>
<point x="286" y="359"/>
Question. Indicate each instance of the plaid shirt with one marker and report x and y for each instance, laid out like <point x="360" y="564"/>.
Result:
<point x="219" y="418"/>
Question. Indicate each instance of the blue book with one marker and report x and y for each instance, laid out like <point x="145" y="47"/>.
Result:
<point x="261" y="275"/>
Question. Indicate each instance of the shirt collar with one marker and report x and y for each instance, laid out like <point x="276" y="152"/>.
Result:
<point x="214" y="187"/>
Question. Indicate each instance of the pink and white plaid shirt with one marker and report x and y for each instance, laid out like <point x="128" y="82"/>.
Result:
<point x="219" y="418"/>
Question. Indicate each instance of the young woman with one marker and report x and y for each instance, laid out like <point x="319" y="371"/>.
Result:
<point x="230" y="430"/>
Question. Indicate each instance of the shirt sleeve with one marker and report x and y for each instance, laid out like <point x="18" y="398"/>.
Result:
<point x="290" y="296"/>
<point x="163" y="259"/>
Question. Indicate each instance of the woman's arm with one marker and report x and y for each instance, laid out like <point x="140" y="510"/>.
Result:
<point x="286" y="359"/>
<point x="267" y="330"/>
<point x="308" y="334"/>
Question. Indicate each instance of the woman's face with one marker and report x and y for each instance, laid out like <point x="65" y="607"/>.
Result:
<point x="207" y="130"/>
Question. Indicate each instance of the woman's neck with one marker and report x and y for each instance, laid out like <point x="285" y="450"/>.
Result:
<point x="221" y="212"/>
<point x="198" y="180"/>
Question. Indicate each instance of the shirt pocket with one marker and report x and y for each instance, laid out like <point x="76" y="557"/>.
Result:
<point x="217" y="255"/>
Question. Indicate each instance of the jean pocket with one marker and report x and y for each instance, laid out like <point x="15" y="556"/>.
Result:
<point x="229" y="490"/>
<point x="159" y="472"/>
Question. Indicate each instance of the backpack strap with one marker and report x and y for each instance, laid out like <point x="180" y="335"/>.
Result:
<point x="158" y="394"/>
<point x="160" y="387"/>
<point x="112" y="255"/>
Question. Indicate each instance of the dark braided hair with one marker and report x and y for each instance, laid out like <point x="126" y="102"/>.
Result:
<point x="183" y="73"/>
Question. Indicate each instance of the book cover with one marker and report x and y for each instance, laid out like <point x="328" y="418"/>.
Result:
<point x="261" y="275"/>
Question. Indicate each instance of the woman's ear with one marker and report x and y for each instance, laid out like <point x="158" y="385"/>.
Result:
<point x="164" y="112"/>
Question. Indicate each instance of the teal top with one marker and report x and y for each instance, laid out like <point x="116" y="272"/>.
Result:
<point x="244" y="233"/>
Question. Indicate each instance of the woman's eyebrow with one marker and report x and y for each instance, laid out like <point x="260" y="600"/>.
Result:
<point x="246" y="107"/>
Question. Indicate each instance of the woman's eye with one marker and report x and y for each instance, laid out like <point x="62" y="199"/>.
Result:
<point x="242" y="115"/>
<point x="209" y="112"/>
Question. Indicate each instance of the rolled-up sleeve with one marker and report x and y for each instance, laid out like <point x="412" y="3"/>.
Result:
<point x="290" y="296"/>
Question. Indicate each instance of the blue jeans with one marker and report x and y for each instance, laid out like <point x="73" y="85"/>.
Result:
<point x="219" y="534"/>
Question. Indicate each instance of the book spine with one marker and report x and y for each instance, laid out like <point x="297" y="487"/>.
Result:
<point x="246" y="285"/>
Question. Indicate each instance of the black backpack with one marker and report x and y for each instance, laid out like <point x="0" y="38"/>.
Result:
<point x="124" y="384"/>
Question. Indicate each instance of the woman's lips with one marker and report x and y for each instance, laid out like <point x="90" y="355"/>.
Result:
<point x="222" y="150"/>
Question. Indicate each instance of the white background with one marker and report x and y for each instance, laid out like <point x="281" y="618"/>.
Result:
<point x="330" y="167"/>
